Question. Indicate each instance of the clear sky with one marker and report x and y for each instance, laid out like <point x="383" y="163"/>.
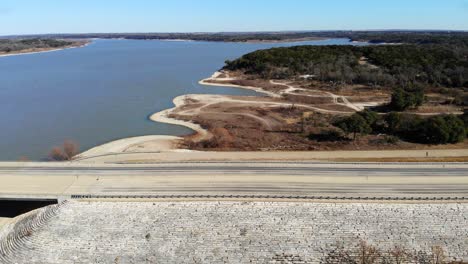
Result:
<point x="86" y="16"/>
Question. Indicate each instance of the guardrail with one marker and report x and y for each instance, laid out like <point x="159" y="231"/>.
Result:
<point x="285" y="197"/>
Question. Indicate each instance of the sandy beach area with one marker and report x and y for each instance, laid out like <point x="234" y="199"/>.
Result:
<point x="165" y="143"/>
<point x="155" y="143"/>
<point x="215" y="77"/>
<point x="164" y="117"/>
<point x="150" y="144"/>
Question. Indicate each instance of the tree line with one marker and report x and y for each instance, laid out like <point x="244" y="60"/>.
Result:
<point x="380" y="65"/>
<point x="12" y="45"/>
<point x="387" y="36"/>
<point x="442" y="129"/>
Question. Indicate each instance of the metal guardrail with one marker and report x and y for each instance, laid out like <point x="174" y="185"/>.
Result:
<point x="285" y="197"/>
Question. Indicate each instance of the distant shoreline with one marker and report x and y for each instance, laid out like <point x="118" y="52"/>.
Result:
<point x="81" y="44"/>
<point x="253" y="41"/>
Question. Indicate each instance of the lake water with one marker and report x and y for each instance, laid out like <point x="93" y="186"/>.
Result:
<point x="105" y="91"/>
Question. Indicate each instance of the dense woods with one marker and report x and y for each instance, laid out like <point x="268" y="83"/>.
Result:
<point x="424" y="63"/>
<point x="12" y="45"/>
<point x="442" y="129"/>
<point x="386" y="65"/>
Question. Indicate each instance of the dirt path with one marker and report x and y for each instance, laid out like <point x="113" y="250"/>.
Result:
<point x="336" y="98"/>
<point x="209" y="100"/>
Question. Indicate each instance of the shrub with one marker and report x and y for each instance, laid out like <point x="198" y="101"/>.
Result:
<point x="368" y="254"/>
<point x="56" y="154"/>
<point x="67" y="151"/>
<point x="403" y="99"/>
<point x="465" y="120"/>
<point x="70" y="149"/>
<point x="433" y="130"/>
<point x="393" y="122"/>
<point x="442" y="130"/>
<point x="365" y="253"/>
<point x="353" y="125"/>
<point x="374" y="120"/>
<point x="456" y="129"/>
<point x="370" y="116"/>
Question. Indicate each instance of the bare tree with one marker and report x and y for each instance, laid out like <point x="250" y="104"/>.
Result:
<point x="368" y="254"/>
<point x="57" y="154"/>
<point x="438" y="255"/>
<point x="70" y="149"/>
<point x="399" y="255"/>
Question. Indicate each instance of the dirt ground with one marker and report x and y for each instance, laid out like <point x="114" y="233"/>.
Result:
<point x="293" y="110"/>
<point x="250" y="127"/>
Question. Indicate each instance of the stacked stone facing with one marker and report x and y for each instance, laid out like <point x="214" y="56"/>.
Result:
<point x="236" y="232"/>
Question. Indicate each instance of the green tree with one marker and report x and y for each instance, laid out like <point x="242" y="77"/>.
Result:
<point x="465" y="120"/>
<point x="373" y="119"/>
<point x="403" y="99"/>
<point x="442" y="130"/>
<point x="393" y="122"/>
<point x="370" y="116"/>
<point x="398" y="100"/>
<point x="434" y="130"/>
<point x="456" y="129"/>
<point x="354" y="124"/>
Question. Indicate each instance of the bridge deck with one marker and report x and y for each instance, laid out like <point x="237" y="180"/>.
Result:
<point x="247" y="179"/>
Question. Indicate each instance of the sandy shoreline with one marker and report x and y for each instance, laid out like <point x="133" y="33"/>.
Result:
<point x="160" y="143"/>
<point x="215" y="77"/>
<point x="152" y="143"/>
<point x="44" y="51"/>
<point x="148" y="145"/>
<point x="164" y="117"/>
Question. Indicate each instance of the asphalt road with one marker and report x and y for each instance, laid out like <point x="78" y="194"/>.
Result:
<point x="263" y="179"/>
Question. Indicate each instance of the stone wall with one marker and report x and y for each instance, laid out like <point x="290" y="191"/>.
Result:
<point x="236" y="232"/>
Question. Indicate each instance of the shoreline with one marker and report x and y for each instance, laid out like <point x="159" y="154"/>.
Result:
<point x="20" y="53"/>
<point x="252" y="88"/>
<point x="164" y="117"/>
<point x="122" y="145"/>
<point x="159" y="143"/>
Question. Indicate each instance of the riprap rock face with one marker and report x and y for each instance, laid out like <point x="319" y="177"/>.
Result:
<point x="235" y="232"/>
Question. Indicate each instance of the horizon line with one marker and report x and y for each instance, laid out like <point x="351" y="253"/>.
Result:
<point x="244" y="32"/>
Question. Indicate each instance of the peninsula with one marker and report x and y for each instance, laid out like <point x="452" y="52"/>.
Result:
<point x="10" y="47"/>
<point x="328" y="98"/>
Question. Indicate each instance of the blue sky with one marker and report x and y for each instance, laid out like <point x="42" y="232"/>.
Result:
<point x="80" y="16"/>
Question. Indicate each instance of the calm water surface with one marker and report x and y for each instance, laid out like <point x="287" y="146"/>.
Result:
<point x="105" y="91"/>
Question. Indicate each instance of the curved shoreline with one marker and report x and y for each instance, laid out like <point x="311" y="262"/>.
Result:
<point x="45" y="51"/>
<point x="164" y="117"/>
<point x="200" y="134"/>
<point x="253" y="88"/>
<point x="159" y="143"/>
<point x="126" y="145"/>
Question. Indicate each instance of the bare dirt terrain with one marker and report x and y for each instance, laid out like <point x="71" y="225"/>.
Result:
<point x="283" y="119"/>
<point x="280" y="121"/>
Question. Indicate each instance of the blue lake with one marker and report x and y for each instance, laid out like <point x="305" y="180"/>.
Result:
<point x="106" y="91"/>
